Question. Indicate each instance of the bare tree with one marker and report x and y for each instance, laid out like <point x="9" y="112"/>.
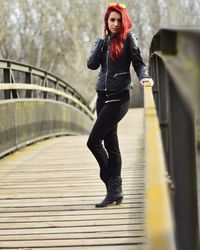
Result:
<point x="57" y="35"/>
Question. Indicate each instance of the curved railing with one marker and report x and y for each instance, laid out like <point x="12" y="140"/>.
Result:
<point x="174" y="65"/>
<point x="35" y="104"/>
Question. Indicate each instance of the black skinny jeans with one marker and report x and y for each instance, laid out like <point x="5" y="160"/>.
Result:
<point x="111" y="108"/>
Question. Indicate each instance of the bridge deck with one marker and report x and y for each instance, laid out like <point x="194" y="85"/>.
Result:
<point x="48" y="191"/>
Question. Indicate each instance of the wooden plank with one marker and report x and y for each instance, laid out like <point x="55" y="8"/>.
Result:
<point x="72" y="217"/>
<point x="84" y="229"/>
<point x="97" y="212"/>
<point x="31" y="176"/>
<point x="47" y="224"/>
<point x="62" y="200"/>
<point x="59" y="182"/>
<point x="72" y="242"/>
<point x="61" y="167"/>
<point x="119" y="247"/>
<point x="58" y="192"/>
<point x="91" y="235"/>
<point x="69" y="208"/>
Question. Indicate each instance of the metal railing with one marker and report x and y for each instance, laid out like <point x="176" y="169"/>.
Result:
<point x="35" y="104"/>
<point x="175" y="68"/>
<point x="159" y="216"/>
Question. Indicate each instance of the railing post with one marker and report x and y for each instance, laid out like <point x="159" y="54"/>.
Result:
<point x="183" y="162"/>
<point x="28" y="79"/>
<point x="197" y="132"/>
<point x="162" y="107"/>
<point x="7" y="79"/>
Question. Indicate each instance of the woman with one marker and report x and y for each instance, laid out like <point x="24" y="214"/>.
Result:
<point x="114" y="53"/>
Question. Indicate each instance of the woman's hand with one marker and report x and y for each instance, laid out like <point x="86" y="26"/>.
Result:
<point x="147" y="81"/>
<point x="104" y="33"/>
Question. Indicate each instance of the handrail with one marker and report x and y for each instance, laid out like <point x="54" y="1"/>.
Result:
<point x="174" y="66"/>
<point x="9" y="67"/>
<point x="159" y="218"/>
<point x="22" y="86"/>
<point x="38" y="72"/>
<point x="35" y="105"/>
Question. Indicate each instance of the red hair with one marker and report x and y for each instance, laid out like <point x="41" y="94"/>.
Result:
<point x="116" y="46"/>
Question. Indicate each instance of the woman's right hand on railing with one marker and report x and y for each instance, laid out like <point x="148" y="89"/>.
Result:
<point x="147" y="82"/>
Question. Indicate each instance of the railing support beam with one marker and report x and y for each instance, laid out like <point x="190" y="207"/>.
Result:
<point x="183" y="162"/>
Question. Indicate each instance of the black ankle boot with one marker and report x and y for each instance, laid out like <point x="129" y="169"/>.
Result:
<point x="114" y="192"/>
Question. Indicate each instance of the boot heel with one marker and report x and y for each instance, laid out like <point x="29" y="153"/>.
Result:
<point x="119" y="201"/>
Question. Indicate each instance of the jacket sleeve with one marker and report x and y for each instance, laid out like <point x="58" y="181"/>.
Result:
<point x="93" y="61"/>
<point x="136" y="58"/>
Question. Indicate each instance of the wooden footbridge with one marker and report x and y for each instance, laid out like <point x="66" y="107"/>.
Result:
<point x="48" y="192"/>
<point x="49" y="180"/>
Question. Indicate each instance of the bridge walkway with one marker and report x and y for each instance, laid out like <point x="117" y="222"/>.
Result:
<point x="48" y="191"/>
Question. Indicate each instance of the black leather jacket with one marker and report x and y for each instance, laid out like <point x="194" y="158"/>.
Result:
<point x="116" y="76"/>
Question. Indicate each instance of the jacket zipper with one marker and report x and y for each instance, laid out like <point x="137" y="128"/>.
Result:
<point x="123" y="73"/>
<point x="107" y="61"/>
<point x="106" y="69"/>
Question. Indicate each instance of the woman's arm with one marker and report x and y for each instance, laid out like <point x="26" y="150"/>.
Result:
<point x="93" y="61"/>
<point x="137" y="60"/>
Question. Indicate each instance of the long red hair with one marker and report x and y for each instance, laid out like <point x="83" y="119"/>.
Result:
<point x="116" y="46"/>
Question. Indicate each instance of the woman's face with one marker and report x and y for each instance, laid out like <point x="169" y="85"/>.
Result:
<point x="114" y="23"/>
